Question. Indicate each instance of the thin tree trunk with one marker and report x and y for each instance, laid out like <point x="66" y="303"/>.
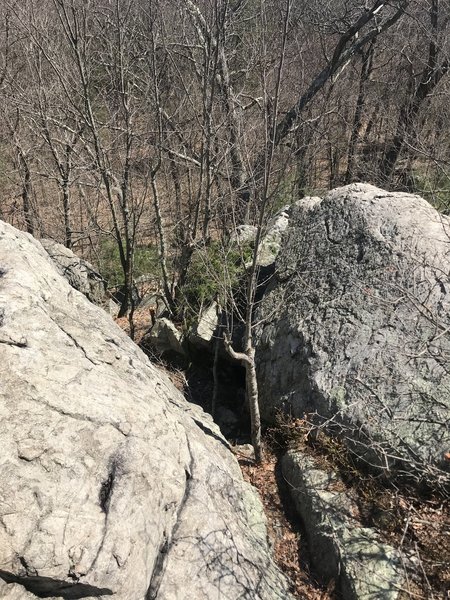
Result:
<point x="366" y="70"/>
<point x="66" y="210"/>
<point x="66" y="198"/>
<point x="215" y="376"/>
<point x="253" y="401"/>
<point x="162" y="244"/>
<point x="26" y="193"/>
<point x="247" y="360"/>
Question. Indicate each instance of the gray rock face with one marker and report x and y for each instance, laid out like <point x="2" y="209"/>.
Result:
<point x="79" y="273"/>
<point x="358" y="325"/>
<point x="201" y="335"/>
<point x="244" y="234"/>
<point x="164" y="338"/>
<point x="354" y="557"/>
<point x="271" y="242"/>
<point x="110" y="483"/>
<point x="155" y="301"/>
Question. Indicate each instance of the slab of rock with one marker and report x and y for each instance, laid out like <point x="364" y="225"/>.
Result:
<point x="362" y="566"/>
<point x="243" y="234"/>
<point x="110" y="482"/>
<point x="79" y="273"/>
<point x="357" y="326"/>
<point x="155" y="302"/>
<point x="271" y="241"/>
<point x="202" y="333"/>
<point x="164" y="338"/>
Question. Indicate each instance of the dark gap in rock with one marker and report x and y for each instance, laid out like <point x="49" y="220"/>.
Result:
<point x="24" y="564"/>
<point x="231" y="413"/>
<point x="211" y="433"/>
<point x="106" y="488"/>
<point x="47" y="587"/>
<point x="21" y="344"/>
<point x="158" y="570"/>
<point x="361" y="253"/>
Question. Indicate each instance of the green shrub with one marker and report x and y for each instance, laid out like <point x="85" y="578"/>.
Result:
<point x="435" y="188"/>
<point x="145" y="262"/>
<point x="215" y="271"/>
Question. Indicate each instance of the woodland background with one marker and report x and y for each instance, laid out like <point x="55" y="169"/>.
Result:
<point x="137" y="131"/>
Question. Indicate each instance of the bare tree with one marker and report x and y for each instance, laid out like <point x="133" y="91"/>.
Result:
<point x="422" y="84"/>
<point x="247" y="356"/>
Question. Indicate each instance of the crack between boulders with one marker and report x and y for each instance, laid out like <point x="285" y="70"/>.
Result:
<point x="169" y="538"/>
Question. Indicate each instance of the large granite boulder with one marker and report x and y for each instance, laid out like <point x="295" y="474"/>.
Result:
<point x="79" y="273"/>
<point x="111" y="484"/>
<point x="357" y="326"/>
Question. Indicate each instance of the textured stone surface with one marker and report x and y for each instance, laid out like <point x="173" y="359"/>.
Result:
<point x="79" y="273"/>
<point x="271" y="241"/>
<point x="164" y="338"/>
<point x="363" y="567"/>
<point x="110" y="483"/>
<point x="357" y="325"/>
<point x="270" y="244"/>
<point x="202" y="333"/>
<point x="243" y="234"/>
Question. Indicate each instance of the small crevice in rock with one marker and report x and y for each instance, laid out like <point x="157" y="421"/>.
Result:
<point x="211" y="433"/>
<point x="79" y="346"/>
<point x="106" y="488"/>
<point x="158" y="570"/>
<point x="24" y="458"/>
<point x="75" y="342"/>
<point x="28" y="571"/>
<point x="18" y="344"/>
<point x="48" y="587"/>
<point x="168" y="539"/>
<point x="361" y="251"/>
<point x="329" y="233"/>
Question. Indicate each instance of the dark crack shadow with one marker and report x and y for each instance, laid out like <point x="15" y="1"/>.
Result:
<point x="211" y="433"/>
<point x="107" y="486"/>
<point x="47" y="587"/>
<point x="169" y="538"/>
